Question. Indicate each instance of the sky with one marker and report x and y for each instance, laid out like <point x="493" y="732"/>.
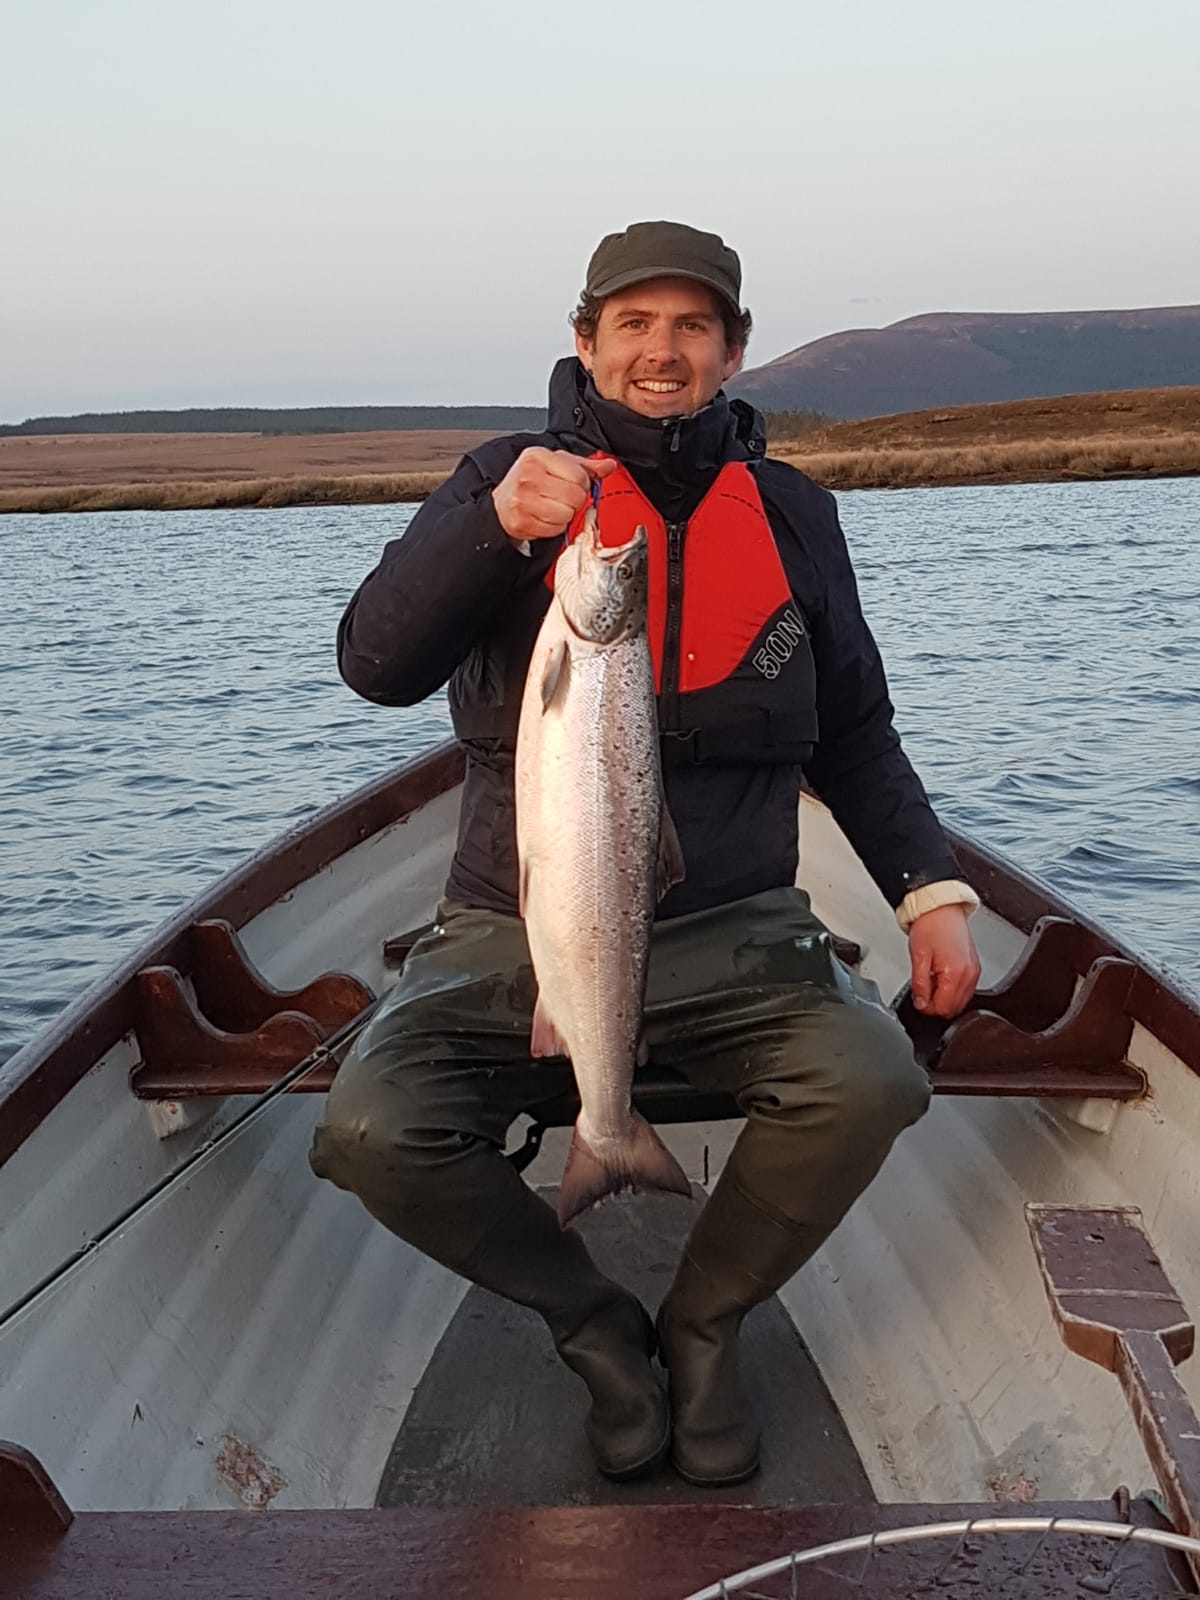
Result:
<point x="274" y="202"/>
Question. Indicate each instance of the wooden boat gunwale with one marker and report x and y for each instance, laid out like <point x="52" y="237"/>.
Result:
<point x="559" y="1553"/>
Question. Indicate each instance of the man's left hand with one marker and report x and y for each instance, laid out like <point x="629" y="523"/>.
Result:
<point x="945" y="964"/>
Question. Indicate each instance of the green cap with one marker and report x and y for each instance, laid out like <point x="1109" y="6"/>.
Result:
<point x="664" y="250"/>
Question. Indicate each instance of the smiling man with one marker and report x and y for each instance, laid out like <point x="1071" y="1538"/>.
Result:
<point x="767" y="672"/>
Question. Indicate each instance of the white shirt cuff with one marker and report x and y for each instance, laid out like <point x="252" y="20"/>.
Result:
<point x="949" y="892"/>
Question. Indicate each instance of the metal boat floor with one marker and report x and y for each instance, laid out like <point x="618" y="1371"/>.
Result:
<point x="496" y="1420"/>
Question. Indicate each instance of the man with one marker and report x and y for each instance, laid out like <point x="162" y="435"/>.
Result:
<point x="766" y="668"/>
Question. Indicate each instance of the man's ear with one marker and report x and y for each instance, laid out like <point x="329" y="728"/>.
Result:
<point x="733" y="362"/>
<point x="584" y="349"/>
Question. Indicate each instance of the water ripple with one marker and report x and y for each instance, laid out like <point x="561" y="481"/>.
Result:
<point x="173" y="702"/>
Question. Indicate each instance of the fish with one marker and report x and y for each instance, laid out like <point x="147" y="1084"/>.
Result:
<point x="596" y="851"/>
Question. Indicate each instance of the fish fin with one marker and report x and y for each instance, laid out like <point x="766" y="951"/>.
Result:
<point x="522" y="888"/>
<point x="556" y="674"/>
<point x="670" y="853"/>
<point x="642" y="1161"/>
<point x="546" y="1039"/>
<point x="643" y="1053"/>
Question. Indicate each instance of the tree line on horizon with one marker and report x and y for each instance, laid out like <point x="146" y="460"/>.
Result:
<point x="279" y="421"/>
<point x="286" y="420"/>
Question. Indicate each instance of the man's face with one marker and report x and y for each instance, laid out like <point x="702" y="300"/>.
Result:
<point x="660" y="348"/>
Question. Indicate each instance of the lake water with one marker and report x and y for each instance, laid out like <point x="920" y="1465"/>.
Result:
<point x="170" y="701"/>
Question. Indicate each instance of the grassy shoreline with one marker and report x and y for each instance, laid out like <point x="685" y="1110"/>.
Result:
<point x="258" y="493"/>
<point x="833" y="472"/>
<point x="1150" y="433"/>
<point x="1087" y="459"/>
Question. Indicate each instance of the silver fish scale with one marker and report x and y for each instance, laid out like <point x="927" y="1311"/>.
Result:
<point x="589" y="809"/>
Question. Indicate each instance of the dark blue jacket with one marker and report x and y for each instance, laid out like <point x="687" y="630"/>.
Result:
<point x="454" y="601"/>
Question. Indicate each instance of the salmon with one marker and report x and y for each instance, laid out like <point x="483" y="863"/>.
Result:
<point x="597" y="849"/>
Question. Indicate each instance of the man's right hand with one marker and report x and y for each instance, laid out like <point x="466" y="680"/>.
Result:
<point x="543" y="489"/>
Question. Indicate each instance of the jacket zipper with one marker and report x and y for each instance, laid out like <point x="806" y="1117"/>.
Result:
<point x="669" y="694"/>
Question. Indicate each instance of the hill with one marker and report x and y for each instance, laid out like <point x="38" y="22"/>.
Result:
<point x="953" y="359"/>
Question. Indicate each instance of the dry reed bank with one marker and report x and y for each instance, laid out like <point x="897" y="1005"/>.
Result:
<point x="173" y="471"/>
<point x="1134" y="433"/>
<point x="1137" y="433"/>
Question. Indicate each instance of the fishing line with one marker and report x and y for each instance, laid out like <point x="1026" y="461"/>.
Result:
<point x="198" y="1159"/>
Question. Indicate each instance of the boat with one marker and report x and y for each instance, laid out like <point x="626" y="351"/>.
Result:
<point x="220" y="1376"/>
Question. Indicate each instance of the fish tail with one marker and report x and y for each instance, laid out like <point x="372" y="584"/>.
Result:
<point x="641" y="1161"/>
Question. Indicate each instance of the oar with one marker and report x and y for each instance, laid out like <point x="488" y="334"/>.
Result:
<point x="1115" y="1305"/>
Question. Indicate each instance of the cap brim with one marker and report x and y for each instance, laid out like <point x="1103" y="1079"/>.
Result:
<point x="626" y="280"/>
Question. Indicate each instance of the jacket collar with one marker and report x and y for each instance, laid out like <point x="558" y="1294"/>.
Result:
<point x="685" y="448"/>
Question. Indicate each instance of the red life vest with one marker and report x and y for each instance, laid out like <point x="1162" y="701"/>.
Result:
<point x="733" y="667"/>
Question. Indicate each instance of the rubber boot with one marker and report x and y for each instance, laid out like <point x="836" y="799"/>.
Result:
<point x="738" y="1255"/>
<point x="600" y="1330"/>
<point x="628" y="1424"/>
<point x="466" y="1207"/>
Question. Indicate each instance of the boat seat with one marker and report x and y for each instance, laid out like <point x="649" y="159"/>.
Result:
<point x="1057" y="1026"/>
<point x="395" y="951"/>
<point x="661" y="1095"/>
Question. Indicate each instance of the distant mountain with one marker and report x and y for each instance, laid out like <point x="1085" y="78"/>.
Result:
<point x="923" y="363"/>
<point x="290" y="419"/>
<point x="977" y="358"/>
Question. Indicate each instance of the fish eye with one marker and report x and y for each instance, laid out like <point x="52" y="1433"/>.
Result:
<point x="624" y="572"/>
